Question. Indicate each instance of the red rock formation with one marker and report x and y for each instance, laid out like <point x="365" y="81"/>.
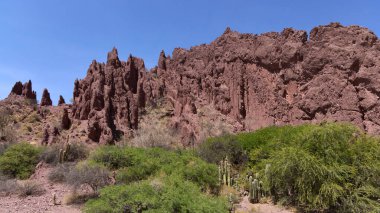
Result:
<point x="50" y="135"/>
<point x="17" y="88"/>
<point x="109" y="97"/>
<point x="65" y="121"/>
<point x="61" y="101"/>
<point x="45" y="100"/>
<point x="24" y="90"/>
<point x="256" y="80"/>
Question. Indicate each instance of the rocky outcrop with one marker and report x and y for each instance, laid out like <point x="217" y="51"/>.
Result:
<point x="45" y="100"/>
<point x="50" y="135"/>
<point x="110" y="97"/>
<point x="254" y="80"/>
<point x="24" y="90"/>
<point x="65" y="121"/>
<point x="61" y="101"/>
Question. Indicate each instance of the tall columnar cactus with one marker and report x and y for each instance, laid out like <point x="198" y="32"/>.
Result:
<point x="225" y="175"/>
<point x="250" y="188"/>
<point x="255" y="188"/>
<point x="228" y="174"/>
<point x="64" y="153"/>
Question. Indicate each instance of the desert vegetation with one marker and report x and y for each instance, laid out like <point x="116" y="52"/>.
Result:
<point x="331" y="167"/>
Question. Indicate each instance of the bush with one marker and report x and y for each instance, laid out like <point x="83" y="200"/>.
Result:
<point x="216" y="149"/>
<point x="19" y="160"/>
<point x="136" y="164"/>
<point x="29" y="188"/>
<point x="331" y="167"/>
<point x="166" y="194"/>
<point x="112" y="157"/>
<point x="93" y="176"/>
<point x="77" y="152"/>
<point x="51" y="154"/>
<point x="78" y="199"/>
<point x="60" y="172"/>
<point x="203" y="174"/>
<point x="136" y="173"/>
<point x="8" y="186"/>
<point x="7" y="134"/>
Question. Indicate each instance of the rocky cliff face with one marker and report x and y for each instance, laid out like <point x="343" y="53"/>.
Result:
<point x="110" y="97"/>
<point x="254" y="81"/>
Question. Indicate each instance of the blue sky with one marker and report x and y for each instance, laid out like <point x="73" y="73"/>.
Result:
<point x="52" y="42"/>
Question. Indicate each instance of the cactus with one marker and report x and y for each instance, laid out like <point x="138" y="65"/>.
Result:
<point x="225" y="174"/>
<point x="64" y="153"/>
<point x="220" y="173"/>
<point x="228" y="174"/>
<point x="60" y="155"/>
<point x="256" y="191"/>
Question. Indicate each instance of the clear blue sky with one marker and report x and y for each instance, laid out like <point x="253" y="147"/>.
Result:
<point x="52" y="42"/>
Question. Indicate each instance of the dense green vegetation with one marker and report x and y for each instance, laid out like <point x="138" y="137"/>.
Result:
<point x="19" y="160"/>
<point x="159" y="194"/>
<point x="331" y="167"/>
<point x="156" y="180"/>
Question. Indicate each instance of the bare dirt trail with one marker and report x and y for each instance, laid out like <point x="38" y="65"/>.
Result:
<point x="246" y="207"/>
<point x="42" y="203"/>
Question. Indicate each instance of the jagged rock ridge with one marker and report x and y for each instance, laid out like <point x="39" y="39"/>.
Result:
<point x="257" y="80"/>
<point x="24" y="90"/>
<point x="290" y="77"/>
<point x="110" y="96"/>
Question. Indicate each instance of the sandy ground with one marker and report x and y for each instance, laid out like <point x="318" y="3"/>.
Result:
<point x="42" y="203"/>
<point x="246" y="207"/>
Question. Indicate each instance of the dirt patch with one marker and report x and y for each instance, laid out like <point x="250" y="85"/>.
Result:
<point x="42" y="203"/>
<point x="246" y="206"/>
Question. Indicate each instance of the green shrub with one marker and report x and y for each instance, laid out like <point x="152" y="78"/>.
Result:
<point x="330" y="167"/>
<point x="136" y="164"/>
<point x="112" y="157"/>
<point x="165" y="194"/>
<point x="19" y="160"/>
<point x="216" y="149"/>
<point x="139" y="172"/>
<point x="203" y="174"/>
